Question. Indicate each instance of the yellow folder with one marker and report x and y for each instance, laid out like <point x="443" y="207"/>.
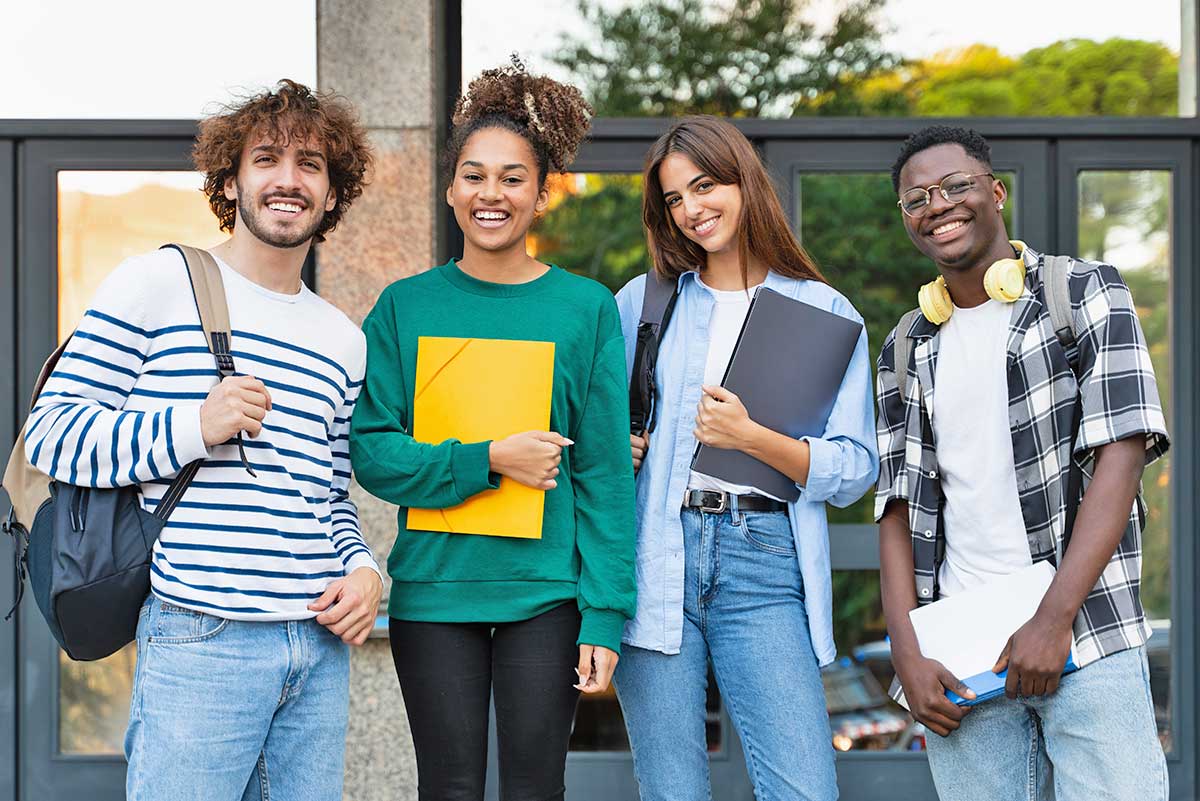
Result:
<point x="483" y="389"/>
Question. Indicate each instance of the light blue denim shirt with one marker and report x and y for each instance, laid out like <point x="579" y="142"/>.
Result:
<point x="842" y="466"/>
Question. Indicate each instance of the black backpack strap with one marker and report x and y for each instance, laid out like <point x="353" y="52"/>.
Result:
<point x="658" y="304"/>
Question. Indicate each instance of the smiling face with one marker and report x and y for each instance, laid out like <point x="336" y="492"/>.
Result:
<point x="494" y="192"/>
<point x="708" y="213"/>
<point x="956" y="236"/>
<point x="282" y="191"/>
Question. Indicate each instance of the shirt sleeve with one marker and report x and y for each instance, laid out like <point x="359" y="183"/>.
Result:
<point x="1117" y="384"/>
<point x="78" y="431"/>
<point x="347" y="535"/>
<point x="388" y="462"/>
<point x="889" y="430"/>
<point x="843" y="461"/>
<point x="602" y="481"/>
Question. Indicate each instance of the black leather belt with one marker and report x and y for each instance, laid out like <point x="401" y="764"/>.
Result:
<point x="717" y="502"/>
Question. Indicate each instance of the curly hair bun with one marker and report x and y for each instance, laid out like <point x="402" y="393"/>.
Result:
<point x="552" y="115"/>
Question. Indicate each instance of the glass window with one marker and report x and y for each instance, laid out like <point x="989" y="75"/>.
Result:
<point x="1125" y="219"/>
<point x="103" y="218"/>
<point x="781" y="59"/>
<point x="593" y="226"/>
<point x="149" y="60"/>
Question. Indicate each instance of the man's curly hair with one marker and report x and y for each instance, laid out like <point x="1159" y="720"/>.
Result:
<point x="552" y="116"/>
<point x="291" y="111"/>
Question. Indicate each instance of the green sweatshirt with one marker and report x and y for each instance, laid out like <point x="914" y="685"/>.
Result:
<point x="586" y="553"/>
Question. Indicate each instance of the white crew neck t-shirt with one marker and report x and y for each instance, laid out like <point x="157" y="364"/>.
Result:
<point x="724" y="324"/>
<point x="985" y="533"/>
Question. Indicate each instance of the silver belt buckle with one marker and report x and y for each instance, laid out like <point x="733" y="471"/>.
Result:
<point x="720" y="507"/>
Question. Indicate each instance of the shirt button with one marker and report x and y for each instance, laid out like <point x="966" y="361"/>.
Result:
<point x="928" y="534"/>
<point x="925" y="592"/>
<point x="933" y="474"/>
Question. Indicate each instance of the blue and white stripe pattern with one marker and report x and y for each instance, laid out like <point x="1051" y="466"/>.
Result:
<point x="123" y="407"/>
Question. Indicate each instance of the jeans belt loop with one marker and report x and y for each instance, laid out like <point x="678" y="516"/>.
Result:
<point x="733" y="508"/>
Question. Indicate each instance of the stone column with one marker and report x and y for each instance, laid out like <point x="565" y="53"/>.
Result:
<point x="380" y="54"/>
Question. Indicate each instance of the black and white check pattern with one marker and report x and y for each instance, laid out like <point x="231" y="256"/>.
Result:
<point x="1120" y="399"/>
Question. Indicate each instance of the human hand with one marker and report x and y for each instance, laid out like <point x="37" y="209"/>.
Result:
<point x="595" y="670"/>
<point x="639" y="446"/>
<point x="722" y="420"/>
<point x="238" y="403"/>
<point x="530" y="458"/>
<point x="1035" y="657"/>
<point x="925" y="683"/>
<point x="349" y="605"/>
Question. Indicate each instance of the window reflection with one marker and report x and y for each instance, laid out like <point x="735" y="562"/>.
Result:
<point x="105" y="217"/>
<point x="1125" y="219"/>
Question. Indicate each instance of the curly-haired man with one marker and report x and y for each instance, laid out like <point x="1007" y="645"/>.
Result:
<point x="260" y="579"/>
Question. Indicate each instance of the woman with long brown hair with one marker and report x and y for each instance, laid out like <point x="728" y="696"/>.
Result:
<point x="726" y="572"/>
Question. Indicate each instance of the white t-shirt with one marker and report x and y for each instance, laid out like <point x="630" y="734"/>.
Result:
<point x="985" y="533"/>
<point x="724" y="325"/>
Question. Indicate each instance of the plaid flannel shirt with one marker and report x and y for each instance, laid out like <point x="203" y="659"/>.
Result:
<point x="1120" y="399"/>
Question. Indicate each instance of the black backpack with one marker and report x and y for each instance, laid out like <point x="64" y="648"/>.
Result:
<point x="87" y="551"/>
<point x="658" y="304"/>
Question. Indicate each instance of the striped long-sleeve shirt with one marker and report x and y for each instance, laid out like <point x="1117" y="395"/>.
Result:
<point x="122" y="407"/>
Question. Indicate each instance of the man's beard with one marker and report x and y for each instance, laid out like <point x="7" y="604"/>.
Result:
<point x="251" y="215"/>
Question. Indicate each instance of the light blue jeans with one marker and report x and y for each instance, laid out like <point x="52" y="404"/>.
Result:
<point x="1093" y="739"/>
<point x="227" y="710"/>
<point x="743" y="609"/>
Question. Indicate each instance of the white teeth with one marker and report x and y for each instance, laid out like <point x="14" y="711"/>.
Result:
<point x="491" y="215"/>
<point x="950" y="226"/>
<point x="292" y="207"/>
<point x="706" y="226"/>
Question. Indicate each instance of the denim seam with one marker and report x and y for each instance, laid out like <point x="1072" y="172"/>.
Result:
<point x="264" y="783"/>
<point x="185" y="640"/>
<point x="1032" y="790"/>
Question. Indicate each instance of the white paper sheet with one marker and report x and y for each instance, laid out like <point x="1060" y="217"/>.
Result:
<point x="967" y="632"/>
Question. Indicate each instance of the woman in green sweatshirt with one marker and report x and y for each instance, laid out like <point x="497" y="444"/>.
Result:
<point x="472" y="615"/>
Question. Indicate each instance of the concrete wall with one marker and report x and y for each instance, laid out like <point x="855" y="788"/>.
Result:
<point x="380" y="54"/>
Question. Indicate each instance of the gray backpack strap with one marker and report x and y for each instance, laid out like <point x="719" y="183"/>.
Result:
<point x="902" y="349"/>
<point x="658" y="303"/>
<point x="1056" y="282"/>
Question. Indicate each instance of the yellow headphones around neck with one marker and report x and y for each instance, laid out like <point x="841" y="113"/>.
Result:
<point x="1004" y="281"/>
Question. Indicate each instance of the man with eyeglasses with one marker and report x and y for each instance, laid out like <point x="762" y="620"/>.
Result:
<point x="975" y="446"/>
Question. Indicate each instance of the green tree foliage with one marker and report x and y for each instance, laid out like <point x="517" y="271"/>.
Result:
<point x="737" y="59"/>
<point x="1074" y="77"/>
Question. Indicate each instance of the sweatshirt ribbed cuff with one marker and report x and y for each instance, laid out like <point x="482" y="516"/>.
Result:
<point x="602" y="627"/>
<point x="469" y="466"/>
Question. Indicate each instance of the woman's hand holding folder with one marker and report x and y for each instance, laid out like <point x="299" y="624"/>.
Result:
<point x="530" y="458"/>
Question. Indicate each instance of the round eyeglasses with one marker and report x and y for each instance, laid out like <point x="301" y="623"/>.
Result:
<point x="954" y="188"/>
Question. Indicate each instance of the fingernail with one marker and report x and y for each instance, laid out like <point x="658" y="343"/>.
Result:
<point x="569" y="441"/>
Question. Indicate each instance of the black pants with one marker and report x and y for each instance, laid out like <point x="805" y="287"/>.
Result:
<point x="447" y="672"/>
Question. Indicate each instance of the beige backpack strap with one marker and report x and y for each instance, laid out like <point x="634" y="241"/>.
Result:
<point x="209" y="291"/>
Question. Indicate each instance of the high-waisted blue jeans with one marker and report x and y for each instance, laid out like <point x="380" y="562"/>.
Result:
<point x="743" y="609"/>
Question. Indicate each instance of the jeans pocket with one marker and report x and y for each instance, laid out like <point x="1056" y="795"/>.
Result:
<point x="175" y="625"/>
<point x="769" y="532"/>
